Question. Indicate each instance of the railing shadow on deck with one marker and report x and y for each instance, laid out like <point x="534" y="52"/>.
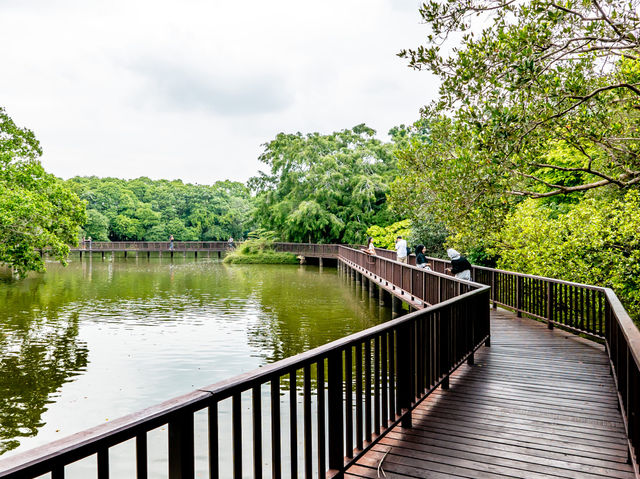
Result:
<point x="373" y="380"/>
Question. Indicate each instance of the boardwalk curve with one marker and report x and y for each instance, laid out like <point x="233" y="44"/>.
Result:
<point x="538" y="403"/>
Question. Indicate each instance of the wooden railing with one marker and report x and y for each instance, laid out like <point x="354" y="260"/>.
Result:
<point x="429" y="287"/>
<point x="309" y="249"/>
<point x="623" y="346"/>
<point x="153" y="246"/>
<point x="364" y="384"/>
<point x="583" y="309"/>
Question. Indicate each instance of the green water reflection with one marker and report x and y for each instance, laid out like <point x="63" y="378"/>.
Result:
<point x="97" y="340"/>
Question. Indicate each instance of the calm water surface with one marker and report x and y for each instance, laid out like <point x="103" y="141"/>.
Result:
<point x="97" y="340"/>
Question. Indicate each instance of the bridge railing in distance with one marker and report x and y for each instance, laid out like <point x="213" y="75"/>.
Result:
<point x="154" y="246"/>
<point x="364" y="383"/>
<point x="308" y="249"/>
<point x="429" y="287"/>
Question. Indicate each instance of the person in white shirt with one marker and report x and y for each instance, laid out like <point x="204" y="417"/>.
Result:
<point x="401" y="249"/>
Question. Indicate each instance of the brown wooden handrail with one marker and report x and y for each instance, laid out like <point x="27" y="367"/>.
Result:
<point x="396" y="364"/>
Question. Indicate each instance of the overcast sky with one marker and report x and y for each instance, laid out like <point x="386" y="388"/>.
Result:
<point x="191" y="89"/>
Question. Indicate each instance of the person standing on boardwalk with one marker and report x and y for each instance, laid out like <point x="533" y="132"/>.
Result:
<point x="230" y="244"/>
<point x="460" y="266"/>
<point x="401" y="249"/>
<point x="171" y="243"/>
<point x="89" y="241"/>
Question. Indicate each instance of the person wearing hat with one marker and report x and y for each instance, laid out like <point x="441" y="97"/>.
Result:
<point x="460" y="266"/>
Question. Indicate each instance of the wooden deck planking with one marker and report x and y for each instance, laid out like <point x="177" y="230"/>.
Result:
<point x="537" y="404"/>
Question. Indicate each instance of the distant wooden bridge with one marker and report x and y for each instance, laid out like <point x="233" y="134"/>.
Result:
<point x="418" y="396"/>
<point x="160" y="248"/>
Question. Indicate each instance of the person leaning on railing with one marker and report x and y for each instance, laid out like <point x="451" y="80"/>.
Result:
<point x="421" y="259"/>
<point x="460" y="266"/>
<point x="371" y="249"/>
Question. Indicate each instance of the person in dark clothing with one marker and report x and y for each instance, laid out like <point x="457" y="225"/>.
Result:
<point x="460" y="266"/>
<point x="421" y="259"/>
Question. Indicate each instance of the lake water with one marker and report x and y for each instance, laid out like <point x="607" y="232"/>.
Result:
<point x="97" y="340"/>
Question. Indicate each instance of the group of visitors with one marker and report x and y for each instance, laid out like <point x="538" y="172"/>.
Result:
<point x="460" y="266"/>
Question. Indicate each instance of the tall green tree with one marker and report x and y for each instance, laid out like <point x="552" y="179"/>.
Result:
<point x="324" y="188"/>
<point x="529" y="76"/>
<point x="37" y="211"/>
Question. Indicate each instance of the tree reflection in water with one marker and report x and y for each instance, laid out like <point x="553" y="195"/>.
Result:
<point x="39" y="352"/>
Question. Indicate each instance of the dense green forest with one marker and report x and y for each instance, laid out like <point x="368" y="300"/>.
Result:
<point x="148" y="210"/>
<point x="528" y="160"/>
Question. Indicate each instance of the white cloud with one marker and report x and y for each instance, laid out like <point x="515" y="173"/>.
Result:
<point x="192" y="89"/>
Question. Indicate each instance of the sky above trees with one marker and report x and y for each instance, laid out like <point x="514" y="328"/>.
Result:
<point x="192" y="90"/>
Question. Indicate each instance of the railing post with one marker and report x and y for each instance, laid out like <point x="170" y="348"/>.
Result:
<point x="494" y="294"/>
<point x="181" y="457"/>
<point x="404" y="374"/>
<point x="519" y="296"/>
<point x="550" y="300"/>
<point x="335" y="406"/>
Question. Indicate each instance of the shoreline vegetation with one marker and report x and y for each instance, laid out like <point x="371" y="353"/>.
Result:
<point x="259" y="251"/>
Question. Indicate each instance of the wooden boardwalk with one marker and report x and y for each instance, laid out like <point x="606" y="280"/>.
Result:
<point x="537" y="404"/>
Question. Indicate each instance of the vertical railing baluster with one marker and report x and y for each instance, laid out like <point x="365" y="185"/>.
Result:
<point x="214" y="472"/>
<point x="142" y="468"/>
<point x="367" y="390"/>
<point x="57" y="472"/>
<point x="348" y="409"/>
<point x="334" y="407"/>
<point x="236" y="428"/>
<point x="549" y="305"/>
<point x="519" y="295"/>
<point x="103" y="463"/>
<point x="403" y="374"/>
<point x="385" y="390"/>
<point x="419" y="357"/>
<point x="256" y="412"/>
<point x="308" y="433"/>
<point x="392" y="376"/>
<point x="293" y="423"/>
<point x="181" y="458"/>
<point x="376" y="385"/>
<point x="276" y="456"/>
<point x="322" y="460"/>
<point x="359" y="419"/>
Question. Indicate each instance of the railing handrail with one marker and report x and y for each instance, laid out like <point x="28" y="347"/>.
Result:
<point x="628" y="327"/>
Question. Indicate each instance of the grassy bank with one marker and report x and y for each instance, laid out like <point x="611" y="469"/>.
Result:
<point x="259" y="251"/>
